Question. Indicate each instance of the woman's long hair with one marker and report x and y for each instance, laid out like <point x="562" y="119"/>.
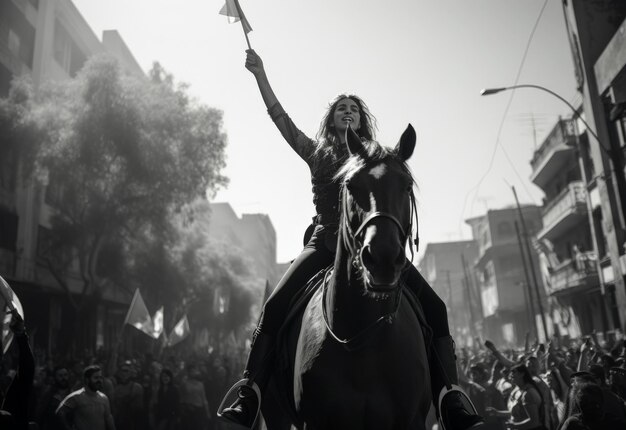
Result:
<point x="528" y="380"/>
<point x="327" y="139"/>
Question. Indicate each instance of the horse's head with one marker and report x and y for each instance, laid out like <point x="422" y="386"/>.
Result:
<point x="377" y="210"/>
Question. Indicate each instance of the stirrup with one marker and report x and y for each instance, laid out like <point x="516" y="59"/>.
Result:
<point x="246" y="382"/>
<point x="444" y="391"/>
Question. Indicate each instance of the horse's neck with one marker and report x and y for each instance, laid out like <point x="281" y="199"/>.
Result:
<point x="349" y="310"/>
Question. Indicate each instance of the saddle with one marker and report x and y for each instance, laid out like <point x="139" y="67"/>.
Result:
<point x="282" y="373"/>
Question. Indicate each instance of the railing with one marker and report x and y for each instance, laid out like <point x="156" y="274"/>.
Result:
<point x="579" y="271"/>
<point x="570" y="199"/>
<point x="563" y="133"/>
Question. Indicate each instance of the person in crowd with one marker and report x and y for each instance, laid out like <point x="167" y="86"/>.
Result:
<point x="503" y="382"/>
<point x="167" y="408"/>
<point x="558" y="392"/>
<point x="14" y="408"/>
<point x="525" y="410"/>
<point x="127" y="400"/>
<point x="87" y="408"/>
<point x="194" y="404"/>
<point x="324" y="157"/>
<point x="613" y="406"/>
<point x="590" y="405"/>
<point x="549" y="414"/>
<point x="617" y="381"/>
<point x="60" y="388"/>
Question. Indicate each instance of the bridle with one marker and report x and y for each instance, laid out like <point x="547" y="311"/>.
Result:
<point x="354" y="244"/>
<point x="351" y="238"/>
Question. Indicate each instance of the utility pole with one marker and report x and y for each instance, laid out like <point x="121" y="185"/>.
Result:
<point x="527" y="291"/>
<point x="531" y="265"/>
<point x="451" y="310"/>
<point x="469" y="299"/>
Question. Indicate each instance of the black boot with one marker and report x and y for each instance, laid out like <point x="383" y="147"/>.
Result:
<point x="454" y="408"/>
<point x="245" y="409"/>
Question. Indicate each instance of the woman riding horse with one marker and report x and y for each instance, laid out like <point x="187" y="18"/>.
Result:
<point x="325" y="157"/>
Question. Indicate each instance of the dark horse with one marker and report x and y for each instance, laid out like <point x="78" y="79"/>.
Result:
<point x="358" y="357"/>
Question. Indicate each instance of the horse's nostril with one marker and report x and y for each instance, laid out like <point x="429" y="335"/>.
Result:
<point x="366" y="256"/>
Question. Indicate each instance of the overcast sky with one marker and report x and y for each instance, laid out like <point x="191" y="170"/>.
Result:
<point x="422" y="62"/>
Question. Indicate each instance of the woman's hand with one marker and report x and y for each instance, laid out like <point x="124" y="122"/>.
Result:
<point x="254" y="63"/>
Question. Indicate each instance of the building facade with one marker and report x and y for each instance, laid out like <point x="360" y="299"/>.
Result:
<point x="507" y="284"/>
<point x="596" y="34"/>
<point x="571" y="242"/>
<point x="253" y="235"/>
<point x="446" y="267"/>
<point x="47" y="40"/>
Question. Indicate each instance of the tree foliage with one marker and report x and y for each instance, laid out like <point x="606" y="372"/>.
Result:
<point x="122" y="154"/>
<point x="190" y="271"/>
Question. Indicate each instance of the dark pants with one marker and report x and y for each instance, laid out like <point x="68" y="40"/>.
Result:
<point x="315" y="257"/>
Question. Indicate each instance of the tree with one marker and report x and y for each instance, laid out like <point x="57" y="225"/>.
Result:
<point x="189" y="272"/>
<point x="121" y="155"/>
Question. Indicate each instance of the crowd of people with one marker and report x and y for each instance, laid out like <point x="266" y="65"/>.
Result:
<point x="108" y="391"/>
<point x="559" y="385"/>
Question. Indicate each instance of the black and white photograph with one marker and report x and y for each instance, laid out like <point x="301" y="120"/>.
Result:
<point x="312" y="215"/>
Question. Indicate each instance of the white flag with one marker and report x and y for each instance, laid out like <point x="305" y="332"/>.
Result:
<point x="179" y="332"/>
<point x="138" y="315"/>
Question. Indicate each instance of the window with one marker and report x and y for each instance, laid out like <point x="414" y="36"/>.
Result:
<point x="509" y="264"/>
<point x="505" y="229"/>
<point x="14" y="43"/>
<point x="8" y="230"/>
<point x="66" y="52"/>
<point x="62" y="46"/>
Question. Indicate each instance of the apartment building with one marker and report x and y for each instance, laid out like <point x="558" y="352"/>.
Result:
<point x="446" y="266"/>
<point x="596" y="33"/>
<point x="47" y="40"/>
<point x="571" y="241"/>
<point x="505" y="277"/>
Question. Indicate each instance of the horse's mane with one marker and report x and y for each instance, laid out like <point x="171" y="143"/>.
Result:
<point x="373" y="153"/>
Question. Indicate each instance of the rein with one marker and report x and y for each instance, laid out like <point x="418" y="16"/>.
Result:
<point x="350" y="238"/>
<point x="351" y="343"/>
<point x="351" y="241"/>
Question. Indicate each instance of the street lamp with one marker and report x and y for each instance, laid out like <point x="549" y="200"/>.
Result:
<point x="490" y="91"/>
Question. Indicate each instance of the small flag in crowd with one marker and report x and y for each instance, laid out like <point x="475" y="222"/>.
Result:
<point x="138" y="315"/>
<point x="179" y="332"/>
<point x="232" y="9"/>
<point x="157" y="323"/>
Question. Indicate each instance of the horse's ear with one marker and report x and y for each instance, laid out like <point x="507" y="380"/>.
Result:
<point x="353" y="141"/>
<point x="406" y="145"/>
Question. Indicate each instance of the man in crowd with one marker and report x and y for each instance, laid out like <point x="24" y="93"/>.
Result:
<point x="617" y="381"/>
<point x="87" y="408"/>
<point x="127" y="400"/>
<point x="14" y="409"/>
<point x="52" y="398"/>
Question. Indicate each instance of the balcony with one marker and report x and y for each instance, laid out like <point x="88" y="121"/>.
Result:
<point x="579" y="273"/>
<point x="557" y="150"/>
<point x="565" y="211"/>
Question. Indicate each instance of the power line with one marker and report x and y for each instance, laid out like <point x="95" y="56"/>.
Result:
<point x="506" y="110"/>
